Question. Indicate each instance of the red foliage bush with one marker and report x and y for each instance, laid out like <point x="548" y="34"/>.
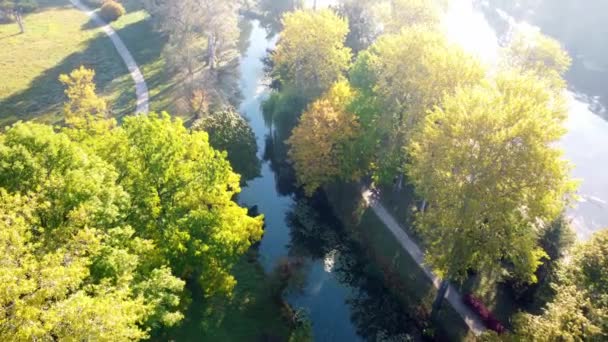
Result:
<point x="486" y="315"/>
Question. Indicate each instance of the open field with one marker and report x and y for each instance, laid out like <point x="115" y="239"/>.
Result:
<point x="58" y="39"/>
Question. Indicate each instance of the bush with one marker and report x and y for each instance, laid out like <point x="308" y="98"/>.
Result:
<point x="111" y="10"/>
<point x="488" y="318"/>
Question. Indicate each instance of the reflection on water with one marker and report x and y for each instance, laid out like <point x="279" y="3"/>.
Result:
<point x="344" y="300"/>
<point x="585" y="144"/>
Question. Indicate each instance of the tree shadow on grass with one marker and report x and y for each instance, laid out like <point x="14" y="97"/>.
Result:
<point x="44" y="98"/>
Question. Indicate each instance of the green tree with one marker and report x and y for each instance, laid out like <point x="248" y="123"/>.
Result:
<point x="311" y="54"/>
<point x="486" y="164"/>
<point x="398" y="79"/>
<point x="579" y="310"/>
<point x="229" y="131"/>
<point x="70" y="272"/>
<point x="323" y="135"/>
<point x="398" y="14"/>
<point x="181" y="194"/>
<point x="532" y="51"/>
<point x="84" y="109"/>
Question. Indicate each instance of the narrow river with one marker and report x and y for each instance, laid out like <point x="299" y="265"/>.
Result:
<point x="342" y="299"/>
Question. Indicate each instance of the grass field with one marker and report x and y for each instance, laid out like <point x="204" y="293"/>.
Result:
<point x="58" y="39"/>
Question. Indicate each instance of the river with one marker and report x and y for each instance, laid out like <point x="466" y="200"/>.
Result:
<point x="342" y="300"/>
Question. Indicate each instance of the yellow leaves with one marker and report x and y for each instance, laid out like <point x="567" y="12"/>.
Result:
<point x="84" y="108"/>
<point x="316" y="144"/>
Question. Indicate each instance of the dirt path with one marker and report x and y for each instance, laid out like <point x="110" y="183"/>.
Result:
<point x="452" y="295"/>
<point x="141" y="88"/>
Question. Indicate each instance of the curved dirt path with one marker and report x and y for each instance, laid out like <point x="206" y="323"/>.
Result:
<point x="452" y="295"/>
<point x="141" y="88"/>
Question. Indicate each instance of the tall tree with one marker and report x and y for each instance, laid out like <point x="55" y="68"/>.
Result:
<point x="487" y="165"/>
<point x="16" y="9"/>
<point x="203" y="37"/>
<point x="69" y="270"/>
<point x="401" y="77"/>
<point x="311" y="54"/>
<point x="532" y="51"/>
<point x="320" y="141"/>
<point x="181" y="197"/>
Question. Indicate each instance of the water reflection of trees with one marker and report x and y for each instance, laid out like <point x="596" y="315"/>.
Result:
<point x="317" y="235"/>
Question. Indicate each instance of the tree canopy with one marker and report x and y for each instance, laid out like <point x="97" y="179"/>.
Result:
<point x="486" y="164"/>
<point x="324" y="134"/>
<point x="310" y="54"/>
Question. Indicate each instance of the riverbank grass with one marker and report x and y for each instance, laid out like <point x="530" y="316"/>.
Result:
<point x="252" y="314"/>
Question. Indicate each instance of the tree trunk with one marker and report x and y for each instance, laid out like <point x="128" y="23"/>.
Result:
<point x="19" y="19"/>
<point x="441" y="292"/>
<point x="211" y="51"/>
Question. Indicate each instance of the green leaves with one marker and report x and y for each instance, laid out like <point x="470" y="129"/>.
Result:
<point x="490" y="176"/>
<point x="94" y="225"/>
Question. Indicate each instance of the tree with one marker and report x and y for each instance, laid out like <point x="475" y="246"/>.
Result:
<point x="69" y="270"/>
<point x="323" y="135"/>
<point x="83" y="108"/>
<point x="364" y="26"/>
<point x="202" y="43"/>
<point x="311" y="54"/>
<point x="399" y="14"/>
<point x="398" y="79"/>
<point x="181" y="194"/>
<point x="16" y="9"/>
<point x="486" y="164"/>
<point x="580" y="309"/>
<point x="532" y="51"/>
<point x="229" y="131"/>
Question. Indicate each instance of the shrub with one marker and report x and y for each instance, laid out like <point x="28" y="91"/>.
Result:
<point x="486" y="316"/>
<point x="111" y="10"/>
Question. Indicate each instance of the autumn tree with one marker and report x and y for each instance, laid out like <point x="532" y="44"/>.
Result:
<point x="579" y="310"/>
<point x="16" y="9"/>
<point x="229" y="131"/>
<point x="401" y="77"/>
<point x="310" y="54"/>
<point x="84" y="108"/>
<point x="487" y="166"/>
<point x="322" y="138"/>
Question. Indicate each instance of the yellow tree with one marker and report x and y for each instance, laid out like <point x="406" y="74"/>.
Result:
<point x="319" y="142"/>
<point x="486" y="163"/>
<point x="83" y="107"/>
<point x="311" y="54"/>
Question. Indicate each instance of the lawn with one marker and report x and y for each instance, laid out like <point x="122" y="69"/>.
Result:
<point x="60" y="38"/>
